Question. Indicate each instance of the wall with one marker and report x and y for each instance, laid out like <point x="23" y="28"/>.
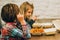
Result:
<point x="43" y="9"/>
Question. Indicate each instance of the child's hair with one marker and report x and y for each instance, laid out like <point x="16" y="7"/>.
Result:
<point x="8" y="12"/>
<point x="24" y="7"/>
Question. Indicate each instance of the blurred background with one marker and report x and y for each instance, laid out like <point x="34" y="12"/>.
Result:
<point x="45" y="10"/>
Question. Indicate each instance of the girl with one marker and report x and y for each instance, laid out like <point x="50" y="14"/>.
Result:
<point x="26" y="9"/>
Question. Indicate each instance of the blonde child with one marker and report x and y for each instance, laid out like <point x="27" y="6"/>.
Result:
<point x="26" y="9"/>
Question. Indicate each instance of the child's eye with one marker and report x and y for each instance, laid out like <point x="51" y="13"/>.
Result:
<point x="29" y="12"/>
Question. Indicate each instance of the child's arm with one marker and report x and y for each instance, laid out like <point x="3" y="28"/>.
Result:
<point x="32" y="20"/>
<point x="16" y="32"/>
<point x="23" y="23"/>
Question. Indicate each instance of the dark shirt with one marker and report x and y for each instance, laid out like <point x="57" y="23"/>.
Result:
<point x="30" y="22"/>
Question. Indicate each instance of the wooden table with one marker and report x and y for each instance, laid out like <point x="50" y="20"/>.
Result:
<point x="44" y="37"/>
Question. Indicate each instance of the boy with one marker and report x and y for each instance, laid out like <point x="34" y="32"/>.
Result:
<point x="9" y="13"/>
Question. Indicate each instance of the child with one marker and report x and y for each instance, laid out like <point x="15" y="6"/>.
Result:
<point x="9" y="13"/>
<point x="27" y="10"/>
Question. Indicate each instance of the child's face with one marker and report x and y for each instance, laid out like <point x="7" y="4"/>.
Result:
<point x="28" y="13"/>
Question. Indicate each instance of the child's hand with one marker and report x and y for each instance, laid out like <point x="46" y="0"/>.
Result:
<point x="20" y="17"/>
<point x="34" y="18"/>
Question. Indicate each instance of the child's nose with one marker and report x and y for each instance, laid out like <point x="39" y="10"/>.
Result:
<point x="30" y="14"/>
